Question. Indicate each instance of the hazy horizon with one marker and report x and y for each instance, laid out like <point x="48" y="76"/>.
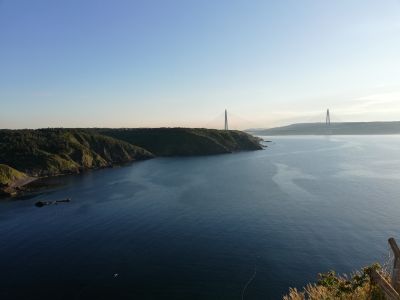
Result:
<point x="180" y="63"/>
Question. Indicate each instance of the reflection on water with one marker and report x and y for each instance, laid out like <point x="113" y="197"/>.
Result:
<point x="196" y="228"/>
<point x="286" y="177"/>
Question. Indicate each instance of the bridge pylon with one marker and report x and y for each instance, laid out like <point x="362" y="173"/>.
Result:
<point x="226" y="120"/>
<point x="328" y="117"/>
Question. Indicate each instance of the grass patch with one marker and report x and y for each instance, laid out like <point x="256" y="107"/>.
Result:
<point x="331" y="286"/>
<point x="9" y="175"/>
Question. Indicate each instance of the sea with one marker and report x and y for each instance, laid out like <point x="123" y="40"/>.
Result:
<point x="246" y="225"/>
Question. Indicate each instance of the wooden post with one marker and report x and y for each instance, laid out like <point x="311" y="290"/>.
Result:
<point x="387" y="289"/>
<point x="396" y="265"/>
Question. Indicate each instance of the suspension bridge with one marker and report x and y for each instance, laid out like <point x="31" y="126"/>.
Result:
<point x="228" y="120"/>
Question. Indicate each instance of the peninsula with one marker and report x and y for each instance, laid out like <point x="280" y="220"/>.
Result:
<point x="29" y="154"/>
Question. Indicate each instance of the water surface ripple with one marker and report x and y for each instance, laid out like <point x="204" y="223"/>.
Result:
<point x="196" y="228"/>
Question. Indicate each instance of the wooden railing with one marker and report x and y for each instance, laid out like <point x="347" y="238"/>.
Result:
<point x="390" y="289"/>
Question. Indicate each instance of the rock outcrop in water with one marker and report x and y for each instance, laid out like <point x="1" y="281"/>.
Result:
<point x="27" y="154"/>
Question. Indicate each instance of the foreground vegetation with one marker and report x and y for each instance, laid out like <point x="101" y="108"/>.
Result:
<point x="331" y="286"/>
<point x="50" y="152"/>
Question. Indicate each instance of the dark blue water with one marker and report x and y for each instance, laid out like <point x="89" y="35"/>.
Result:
<point x="199" y="228"/>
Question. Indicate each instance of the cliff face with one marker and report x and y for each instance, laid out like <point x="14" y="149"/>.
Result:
<point x="48" y="152"/>
<point x="8" y="177"/>
<point x="186" y="141"/>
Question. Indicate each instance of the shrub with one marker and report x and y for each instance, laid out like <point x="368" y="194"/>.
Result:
<point x="331" y="286"/>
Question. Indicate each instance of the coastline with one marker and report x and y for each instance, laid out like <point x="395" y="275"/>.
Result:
<point x="21" y="186"/>
<point x="16" y="187"/>
<point x="28" y="155"/>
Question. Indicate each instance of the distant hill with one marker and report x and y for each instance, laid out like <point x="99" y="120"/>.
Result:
<point x="343" y="128"/>
<point x="28" y="154"/>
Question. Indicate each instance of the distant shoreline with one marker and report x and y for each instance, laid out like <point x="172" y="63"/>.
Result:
<point x="339" y="128"/>
<point x="320" y="134"/>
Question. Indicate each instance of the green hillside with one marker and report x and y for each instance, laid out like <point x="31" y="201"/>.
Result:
<point x="47" y="152"/>
<point x="9" y="179"/>
<point x="9" y="175"/>
<point x="185" y="141"/>
<point x="50" y="152"/>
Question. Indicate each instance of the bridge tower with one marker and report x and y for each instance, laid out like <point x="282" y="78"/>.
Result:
<point x="226" y="120"/>
<point x="328" y="117"/>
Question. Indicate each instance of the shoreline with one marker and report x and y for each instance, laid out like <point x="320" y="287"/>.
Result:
<point x="62" y="151"/>
<point x="17" y="187"/>
<point x="22" y="182"/>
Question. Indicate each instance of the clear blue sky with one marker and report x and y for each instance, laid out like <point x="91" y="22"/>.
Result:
<point x="181" y="63"/>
